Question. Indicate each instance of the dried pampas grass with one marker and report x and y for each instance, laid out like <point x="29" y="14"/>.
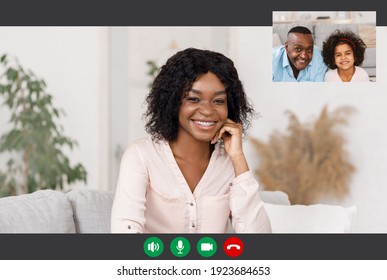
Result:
<point x="309" y="162"/>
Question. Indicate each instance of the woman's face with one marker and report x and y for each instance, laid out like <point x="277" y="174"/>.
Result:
<point x="204" y="108"/>
<point x="344" y="58"/>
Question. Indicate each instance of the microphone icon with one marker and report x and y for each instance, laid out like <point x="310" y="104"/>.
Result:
<point x="180" y="246"/>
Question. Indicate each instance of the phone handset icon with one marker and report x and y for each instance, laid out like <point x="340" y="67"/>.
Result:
<point x="236" y="246"/>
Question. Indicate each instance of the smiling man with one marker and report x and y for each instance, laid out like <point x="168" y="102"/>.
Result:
<point x="298" y="60"/>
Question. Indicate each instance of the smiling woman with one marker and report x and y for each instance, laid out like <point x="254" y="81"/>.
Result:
<point x="191" y="175"/>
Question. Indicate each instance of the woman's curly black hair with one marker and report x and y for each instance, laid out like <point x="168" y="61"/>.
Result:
<point x="176" y="78"/>
<point x="343" y="37"/>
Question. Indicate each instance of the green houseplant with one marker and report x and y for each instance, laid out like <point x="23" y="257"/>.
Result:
<point x="34" y="144"/>
<point x="152" y="72"/>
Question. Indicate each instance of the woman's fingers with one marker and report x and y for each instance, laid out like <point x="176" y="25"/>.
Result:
<point x="229" y="129"/>
<point x="215" y="139"/>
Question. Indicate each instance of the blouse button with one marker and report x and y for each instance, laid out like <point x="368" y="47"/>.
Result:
<point x="129" y="227"/>
<point x="193" y="225"/>
<point x="191" y="204"/>
<point x="230" y="184"/>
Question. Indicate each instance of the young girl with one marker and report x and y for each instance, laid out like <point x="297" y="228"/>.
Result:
<point x="190" y="175"/>
<point x="343" y="52"/>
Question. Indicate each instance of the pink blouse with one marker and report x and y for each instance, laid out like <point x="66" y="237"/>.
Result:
<point x="152" y="195"/>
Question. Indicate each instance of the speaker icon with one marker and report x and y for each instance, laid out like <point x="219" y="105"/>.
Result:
<point x="153" y="247"/>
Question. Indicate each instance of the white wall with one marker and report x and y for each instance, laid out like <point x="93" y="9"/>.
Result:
<point x="366" y="133"/>
<point x="72" y="61"/>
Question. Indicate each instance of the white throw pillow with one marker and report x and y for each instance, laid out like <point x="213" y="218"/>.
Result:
<point x="92" y="210"/>
<point x="44" y="211"/>
<point x="274" y="197"/>
<point x="317" y="218"/>
<point x="368" y="34"/>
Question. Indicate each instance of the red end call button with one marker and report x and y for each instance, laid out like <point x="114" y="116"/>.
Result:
<point x="233" y="247"/>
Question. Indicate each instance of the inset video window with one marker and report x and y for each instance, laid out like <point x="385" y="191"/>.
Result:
<point x="324" y="47"/>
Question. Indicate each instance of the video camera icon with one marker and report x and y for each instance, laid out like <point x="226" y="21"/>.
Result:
<point x="206" y="247"/>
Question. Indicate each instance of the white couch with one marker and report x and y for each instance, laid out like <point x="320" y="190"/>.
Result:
<point x="88" y="211"/>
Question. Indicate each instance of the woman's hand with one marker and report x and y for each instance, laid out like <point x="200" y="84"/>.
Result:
<point x="231" y="133"/>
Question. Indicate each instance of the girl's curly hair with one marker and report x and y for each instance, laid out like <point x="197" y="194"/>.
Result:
<point x="177" y="76"/>
<point x="343" y="37"/>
